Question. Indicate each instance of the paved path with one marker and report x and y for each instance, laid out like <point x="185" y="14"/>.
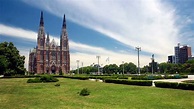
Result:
<point x="190" y="77"/>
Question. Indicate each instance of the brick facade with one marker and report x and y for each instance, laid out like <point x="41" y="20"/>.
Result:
<point x="48" y="57"/>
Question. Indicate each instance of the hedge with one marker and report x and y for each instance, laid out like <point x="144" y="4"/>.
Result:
<point x="130" y="82"/>
<point x="77" y="77"/>
<point x="155" y="77"/>
<point x="174" y="85"/>
<point x="45" y="78"/>
<point x="166" y="84"/>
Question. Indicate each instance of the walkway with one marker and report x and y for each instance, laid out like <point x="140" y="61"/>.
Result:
<point x="190" y="77"/>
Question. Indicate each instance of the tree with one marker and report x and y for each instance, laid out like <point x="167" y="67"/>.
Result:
<point x="110" y="69"/>
<point x="3" y="64"/>
<point x="11" y="60"/>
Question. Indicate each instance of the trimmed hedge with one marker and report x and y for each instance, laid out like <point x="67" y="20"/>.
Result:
<point x="174" y="85"/>
<point x="166" y="84"/>
<point x="155" y="77"/>
<point x="77" y="77"/>
<point x="186" y="86"/>
<point x="130" y="82"/>
<point x="45" y="78"/>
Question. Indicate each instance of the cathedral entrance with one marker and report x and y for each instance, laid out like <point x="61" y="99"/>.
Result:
<point x="53" y="69"/>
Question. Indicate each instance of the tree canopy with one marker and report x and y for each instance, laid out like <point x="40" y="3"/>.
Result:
<point x="11" y="63"/>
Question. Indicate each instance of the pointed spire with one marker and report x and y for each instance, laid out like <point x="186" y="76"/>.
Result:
<point x="41" y="19"/>
<point x="47" y="38"/>
<point x="64" y="22"/>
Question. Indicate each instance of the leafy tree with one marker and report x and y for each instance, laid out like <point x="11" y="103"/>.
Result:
<point x="3" y="64"/>
<point x="131" y="68"/>
<point x="110" y="69"/>
<point x="11" y="60"/>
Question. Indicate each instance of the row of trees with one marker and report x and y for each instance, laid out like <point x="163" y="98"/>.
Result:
<point x="11" y="63"/>
<point x="131" y="68"/>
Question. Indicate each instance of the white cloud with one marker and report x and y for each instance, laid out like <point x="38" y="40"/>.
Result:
<point x="84" y="53"/>
<point x="146" y="23"/>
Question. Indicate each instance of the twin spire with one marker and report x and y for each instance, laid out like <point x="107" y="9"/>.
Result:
<point x="42" y="20"/>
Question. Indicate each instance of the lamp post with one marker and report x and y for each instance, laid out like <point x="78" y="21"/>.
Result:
<point x="77" y="66"/>
<point x="152" y="64"/>
<point x="82" y="67"/>
<point x="138" y="49"/>
<point x="123" y="67"/>
<point x="98" y="57"/>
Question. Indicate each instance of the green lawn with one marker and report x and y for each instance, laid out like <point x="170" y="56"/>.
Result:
<point x="17" y="94"/>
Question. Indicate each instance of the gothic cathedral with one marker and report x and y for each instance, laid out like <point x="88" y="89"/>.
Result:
<point x="48" y="57"/>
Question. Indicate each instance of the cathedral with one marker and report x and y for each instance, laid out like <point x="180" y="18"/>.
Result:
<point x="49" y="57"/>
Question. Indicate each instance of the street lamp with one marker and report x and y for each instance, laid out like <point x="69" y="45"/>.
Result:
<point x="138" y="49"/>
<point x="123" y="67"/>
<point x="77" y="66"/>
<point x="82" y="67"/>
<point x="152" y="64"/>
<point x="98" y="62"/>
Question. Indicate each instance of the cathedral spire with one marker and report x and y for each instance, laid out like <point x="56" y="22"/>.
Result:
<point x="64" y="22"/>
<point x="48" y="39"/>
<point x="41" y="19"/>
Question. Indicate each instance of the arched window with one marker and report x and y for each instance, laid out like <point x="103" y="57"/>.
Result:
<point x="41" y="42"/>
<point x="41" y="55"/>
<point x="53" y="55"/>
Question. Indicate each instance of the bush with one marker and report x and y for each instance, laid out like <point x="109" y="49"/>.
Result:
<point x="45" y="78"/>
<point x="48" y="78"/>
<point x="130" y="82"/>
<point x="84" y="92"/>
<point x="155" y="77"/>
<point x="35" y="80"/>
<point x="57" y="85"/>
<point x="184" y="86"/>
<point x="77" y="77"/>
<point x="166" y="84"/>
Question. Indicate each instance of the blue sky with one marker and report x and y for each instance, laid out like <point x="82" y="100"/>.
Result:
<point x="111" y="28"/>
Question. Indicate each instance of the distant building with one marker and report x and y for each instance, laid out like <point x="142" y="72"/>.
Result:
<point x="171" y="59"/>
<point x="48" y="57"/>
<point x="185" y="54"/>
<point x="177" y="52"/>
<point x="182" y="53"/>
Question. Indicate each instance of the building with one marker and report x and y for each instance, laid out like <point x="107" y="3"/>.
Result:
<point x="177" y="51"/>
<point x="185" y="54"/>
<point x="182" y="53"/>
<point x="48" y="57"/>
<point x="171" y="59"/>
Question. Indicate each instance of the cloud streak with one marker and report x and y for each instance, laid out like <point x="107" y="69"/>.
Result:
<point x="150" y="24"/>
<point x="84" y="53"/>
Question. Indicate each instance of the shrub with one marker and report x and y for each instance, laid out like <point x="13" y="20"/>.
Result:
<point x="45" y="78"/>
<point x="166" y="84"/>
<point x="77" y="77"/>
<point x="186" y="86"/>
<point x="35" y="80"/>
<point x="130" y="82"/>
<point x="84" y="92"/>
<point x="48" y="78"/>
<point x="57" y="85"/>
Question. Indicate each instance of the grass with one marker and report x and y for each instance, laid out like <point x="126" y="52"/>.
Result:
<point x="17" y="94"/>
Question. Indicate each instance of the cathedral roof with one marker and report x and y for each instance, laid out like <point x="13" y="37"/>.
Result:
<point x="53" y="43"/>
<point x="34" y="50"/>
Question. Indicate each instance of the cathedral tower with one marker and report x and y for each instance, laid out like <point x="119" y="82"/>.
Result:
<point x="48" y="57"/>
<point x="64" y="47"/>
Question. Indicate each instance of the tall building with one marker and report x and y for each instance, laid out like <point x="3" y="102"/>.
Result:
<point x="185" y="54"/>
<point x="176" y="51"/>
<point x="48" y="57"/>
<point x="182" y="53"/>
